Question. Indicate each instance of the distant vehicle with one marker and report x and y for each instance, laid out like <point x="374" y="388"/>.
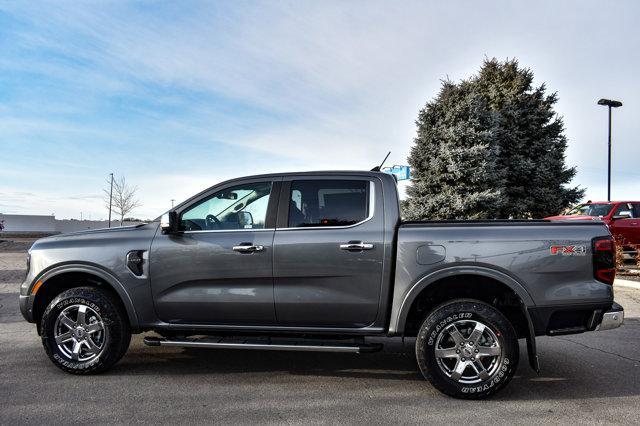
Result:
<point x="622" y="218"/>
<point x="320" y="261"/>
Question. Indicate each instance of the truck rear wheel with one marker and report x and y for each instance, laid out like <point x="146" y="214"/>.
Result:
<point x="84" y="330"/>
<point x="467" y="349"/>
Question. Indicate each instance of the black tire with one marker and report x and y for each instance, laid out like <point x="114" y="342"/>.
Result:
<point x="486" y="366"/>
<point x="110" y="333"/>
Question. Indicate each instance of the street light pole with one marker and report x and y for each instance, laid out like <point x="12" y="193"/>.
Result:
<point x="110" y="198"/>
<point x="172" y="200"/>
<point x="610" y="104"/>
<point x="609" y="159"/>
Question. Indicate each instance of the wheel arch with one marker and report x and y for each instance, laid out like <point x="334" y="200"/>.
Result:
<point x="469" y="282"/>
<point x="61" y="278"/>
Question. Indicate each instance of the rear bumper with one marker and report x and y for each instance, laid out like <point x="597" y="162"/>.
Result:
<point x="613" y="318"/>
<point x="573" y="319"/>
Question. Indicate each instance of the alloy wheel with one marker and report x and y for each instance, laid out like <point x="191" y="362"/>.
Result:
<point x="80" y="333"/>
<point x="468" y="351"/>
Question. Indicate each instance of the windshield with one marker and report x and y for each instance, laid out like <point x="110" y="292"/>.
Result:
<point x="591" y="210"/>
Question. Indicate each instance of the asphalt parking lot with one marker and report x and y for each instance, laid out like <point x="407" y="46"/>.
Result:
<point x="588" y="378"/>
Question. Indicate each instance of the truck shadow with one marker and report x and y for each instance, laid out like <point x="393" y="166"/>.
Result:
<point x="385" y="365"/>
<point x="569" y="369"/>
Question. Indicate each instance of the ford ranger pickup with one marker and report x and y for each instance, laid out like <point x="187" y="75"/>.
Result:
<point x="321" y="261"/>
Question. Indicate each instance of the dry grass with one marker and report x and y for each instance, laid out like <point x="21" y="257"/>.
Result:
<point x="627" y="269"/>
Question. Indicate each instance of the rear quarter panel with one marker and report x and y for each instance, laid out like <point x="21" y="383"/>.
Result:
<point x="518" y="254"/>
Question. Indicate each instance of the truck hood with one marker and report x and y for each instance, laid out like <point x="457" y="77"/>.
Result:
<point x="102" y="230"/>
<point x="97" y="236"/>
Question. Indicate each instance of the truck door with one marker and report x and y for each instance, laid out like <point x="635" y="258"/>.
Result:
<point x="218" y="270"/>
<point x="328" y="251"/>
<point x="625" y="223"/>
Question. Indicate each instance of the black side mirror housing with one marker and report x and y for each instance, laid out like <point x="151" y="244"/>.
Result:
<point x="169" y="222"/>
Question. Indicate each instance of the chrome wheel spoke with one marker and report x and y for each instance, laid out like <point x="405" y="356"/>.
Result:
<point x="488" y="351"/>
<point x="82" y="315"/>
<point x="92" y="328"/>
<point x="64" y="319"/>
<point x="63" y="338"/>
<point x="476" y="333"/>
<point x="77" y="347"/>
<point x="93" y="348"/>
<point x="456" y="374"/>
<point x="482" y="372"/>
<point x="455" y="334"/>
<point x="446" y="353"/>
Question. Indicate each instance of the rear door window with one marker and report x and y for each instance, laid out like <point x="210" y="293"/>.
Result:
<point x="314" y="203"/>
<point x="625" y="208"/>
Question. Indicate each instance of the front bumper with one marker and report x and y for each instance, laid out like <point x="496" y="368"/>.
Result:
<point x="613" y="318"/>
<point x="26" y="307"/>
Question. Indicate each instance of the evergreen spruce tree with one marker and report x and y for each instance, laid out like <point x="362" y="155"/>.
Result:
<point x="490" y="147"/>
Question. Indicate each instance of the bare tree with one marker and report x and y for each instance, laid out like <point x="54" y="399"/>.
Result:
<point x="124" y="198"/>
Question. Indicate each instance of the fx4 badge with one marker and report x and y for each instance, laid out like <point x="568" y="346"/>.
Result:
<point x="569" y="250"/>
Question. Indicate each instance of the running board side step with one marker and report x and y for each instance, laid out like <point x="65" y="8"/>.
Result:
<point x="302" y="346"/>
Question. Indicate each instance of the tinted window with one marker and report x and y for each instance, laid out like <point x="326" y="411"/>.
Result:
<point x="328" y="202"/>
<point x="591" y="210"/>
<point x="239" y="207"/>
<point x="625" y="208"/>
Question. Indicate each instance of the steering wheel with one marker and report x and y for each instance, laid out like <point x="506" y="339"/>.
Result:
<point x="212" y="222"/>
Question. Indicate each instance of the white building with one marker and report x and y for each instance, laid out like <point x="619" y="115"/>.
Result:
<point x="42" y="224"/>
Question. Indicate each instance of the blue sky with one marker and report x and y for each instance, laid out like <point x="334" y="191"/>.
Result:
<point x="178" y="96"/>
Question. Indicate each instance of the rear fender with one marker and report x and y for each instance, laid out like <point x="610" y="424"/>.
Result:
<point x="398" y="326"/>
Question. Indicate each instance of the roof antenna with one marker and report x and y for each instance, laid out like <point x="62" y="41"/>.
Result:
<point x="377" y="168"/>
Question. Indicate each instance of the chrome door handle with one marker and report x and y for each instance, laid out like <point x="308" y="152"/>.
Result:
<point x="356" y="245"/>
<point x="246" y="248"/>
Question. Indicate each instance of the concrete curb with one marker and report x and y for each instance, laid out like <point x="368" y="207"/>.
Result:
<point x="626" y="283"/>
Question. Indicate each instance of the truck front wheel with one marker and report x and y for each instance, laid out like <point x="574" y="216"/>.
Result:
<point x="467" y="349"/>
<point x="85" y="331"/>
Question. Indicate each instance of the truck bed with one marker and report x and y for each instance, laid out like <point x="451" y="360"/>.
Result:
<point x="502" y="251"/>
<point x="497" y="222"/>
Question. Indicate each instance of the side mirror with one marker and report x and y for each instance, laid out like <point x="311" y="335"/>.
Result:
<point x="245" y="219"/>
<point x="169" y="222"/>
<point x="623" y="215"/>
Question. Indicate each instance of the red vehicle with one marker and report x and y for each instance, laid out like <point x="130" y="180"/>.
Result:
<point x="622" y="218"/>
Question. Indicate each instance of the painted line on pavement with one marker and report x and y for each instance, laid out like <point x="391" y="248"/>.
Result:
<point x="626" y="283"/>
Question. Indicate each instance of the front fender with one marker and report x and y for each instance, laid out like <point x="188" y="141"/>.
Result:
<point x="89" y="269"/>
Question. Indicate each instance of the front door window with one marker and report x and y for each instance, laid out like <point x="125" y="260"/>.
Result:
<point x="239" y="207"/>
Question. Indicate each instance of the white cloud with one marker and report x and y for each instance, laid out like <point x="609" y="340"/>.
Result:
<point x="335" y="84"/>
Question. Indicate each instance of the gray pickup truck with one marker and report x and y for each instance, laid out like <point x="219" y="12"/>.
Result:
<point x="321" y="261"/>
